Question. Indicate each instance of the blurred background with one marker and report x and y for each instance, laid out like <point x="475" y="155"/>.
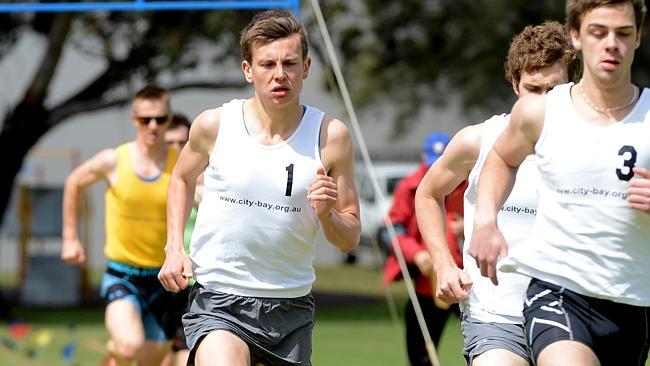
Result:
<point x="66" y="82"/>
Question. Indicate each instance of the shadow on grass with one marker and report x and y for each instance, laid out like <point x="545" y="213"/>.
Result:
<point x="59" y="317"/>
<point x="342" y="308"/>
<point x="47" y="316"/>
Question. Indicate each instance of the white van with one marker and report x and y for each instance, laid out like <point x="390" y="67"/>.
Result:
<point x="389" y="173"/>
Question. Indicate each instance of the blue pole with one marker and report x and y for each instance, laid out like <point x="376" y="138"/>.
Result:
<point x="295" y="7"/>
<point x="142" y="5"/>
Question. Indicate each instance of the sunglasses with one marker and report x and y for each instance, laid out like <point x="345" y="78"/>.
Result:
<point x="159" y="120"/>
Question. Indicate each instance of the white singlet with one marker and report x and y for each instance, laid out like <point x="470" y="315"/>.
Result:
<point x="502" y="303"/>
<point x="586" y="237"/>
<point x="255" y="229"/>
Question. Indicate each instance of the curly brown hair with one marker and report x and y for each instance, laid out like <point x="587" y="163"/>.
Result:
<point x="540" y="46"/>
<point x="575" y="9"/>
<point x="267" y="26"/>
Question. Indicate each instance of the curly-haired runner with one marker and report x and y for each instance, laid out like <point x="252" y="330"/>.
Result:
<point x="539" y="58"/>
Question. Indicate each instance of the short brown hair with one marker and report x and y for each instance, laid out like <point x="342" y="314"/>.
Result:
<point x="153" y="92"/>
<point x="575" y="10"/>
<point x="178" y="120"/>
<point x="541" y="46"/>
<point x="267" y="26"/>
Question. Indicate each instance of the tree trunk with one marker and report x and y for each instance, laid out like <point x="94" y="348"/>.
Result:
<point x="22" y="129"/>
<point x="28" y="122"/>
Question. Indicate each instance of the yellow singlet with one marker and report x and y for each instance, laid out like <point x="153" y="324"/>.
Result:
<point x="136" y="213"/>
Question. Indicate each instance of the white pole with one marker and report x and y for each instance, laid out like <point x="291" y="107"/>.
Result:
<point x="431" y="349"/>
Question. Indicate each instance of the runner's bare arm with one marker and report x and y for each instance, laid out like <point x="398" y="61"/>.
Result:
<point x="101" y="166"/>
<point x="497" y="178"/>
<point x="333" y="194"/>
<point x="192" y="161"/>
<point x="450" y="170"/>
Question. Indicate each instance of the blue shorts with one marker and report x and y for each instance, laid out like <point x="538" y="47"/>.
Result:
<point x="160" y="310"/>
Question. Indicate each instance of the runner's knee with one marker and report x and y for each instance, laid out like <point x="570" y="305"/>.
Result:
<point x="127" y="349"/>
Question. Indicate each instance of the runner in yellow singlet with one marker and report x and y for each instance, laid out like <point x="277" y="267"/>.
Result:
<point x="138" y="308"/>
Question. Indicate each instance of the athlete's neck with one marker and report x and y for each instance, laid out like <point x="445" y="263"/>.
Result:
<point x="607" y="96"/>
<point x="154" y="152"/>
<point x="148" y="161"/>
<point x="272" y="121"/>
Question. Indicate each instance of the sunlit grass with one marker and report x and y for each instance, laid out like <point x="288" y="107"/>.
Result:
<point x="354" y="327"/>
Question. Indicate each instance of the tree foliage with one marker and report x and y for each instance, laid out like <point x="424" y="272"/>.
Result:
<point x="413" y="53"/>
<point x="407" y="53"/>
<point x="134" y="48"/>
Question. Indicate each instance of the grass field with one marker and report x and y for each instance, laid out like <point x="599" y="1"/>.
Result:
<point x="350" y="330"/>
<point x="351" y="335"/>
<point x="367" y="335"/>
<point x="353" y="327"/>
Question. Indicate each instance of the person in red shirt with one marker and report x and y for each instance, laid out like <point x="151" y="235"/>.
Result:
<point x="402" y="216"/>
